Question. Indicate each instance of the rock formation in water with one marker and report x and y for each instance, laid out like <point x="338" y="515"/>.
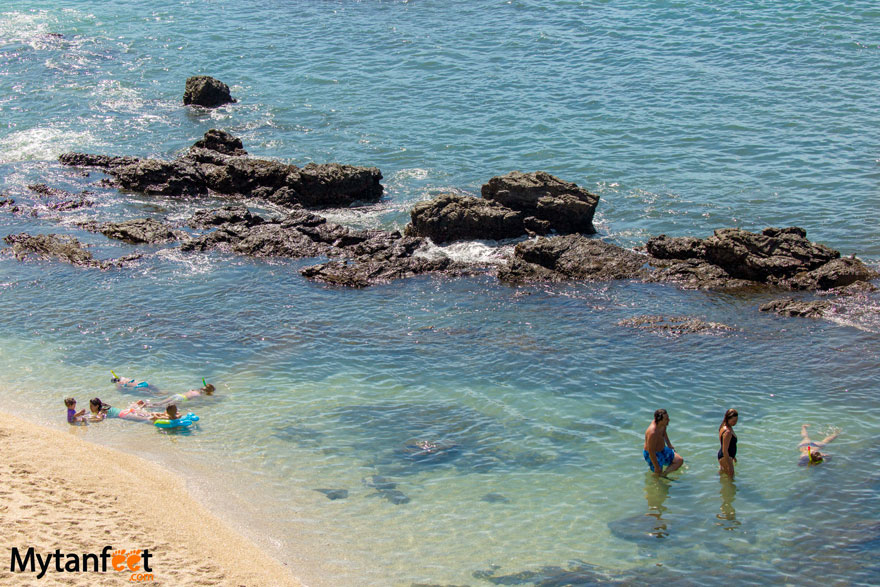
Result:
<point x="136" y="231"/>
<point x="64" y="248"/>
<point x="512" y="205"/>
<point x="675" y="325"/>
<point x="206" y="91"/>
<point x="218" y="165"/>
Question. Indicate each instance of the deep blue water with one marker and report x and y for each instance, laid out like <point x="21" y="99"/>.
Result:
<point x="683" y="117"/>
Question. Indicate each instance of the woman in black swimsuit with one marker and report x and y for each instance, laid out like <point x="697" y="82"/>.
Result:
<point x="727" y="454"/>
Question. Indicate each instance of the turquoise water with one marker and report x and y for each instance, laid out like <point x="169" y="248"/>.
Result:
<point x="683" y="117"/>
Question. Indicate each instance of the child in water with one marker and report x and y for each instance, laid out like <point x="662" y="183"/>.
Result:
<point x="73" y="417"/>
<point x="170" y="413"/>
<point x="208" y="389"/>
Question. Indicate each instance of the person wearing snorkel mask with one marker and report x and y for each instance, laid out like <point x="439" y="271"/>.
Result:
<point x="810" y="450"/>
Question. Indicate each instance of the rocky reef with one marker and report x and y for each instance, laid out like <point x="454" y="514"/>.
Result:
<point x="511" y="206"/>
<point x="218" y="165"/>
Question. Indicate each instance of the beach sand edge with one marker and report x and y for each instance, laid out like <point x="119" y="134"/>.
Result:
<point x="58" y="491"/>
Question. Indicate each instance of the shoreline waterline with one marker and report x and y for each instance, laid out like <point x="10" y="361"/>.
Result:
<point x="64" y="492"/>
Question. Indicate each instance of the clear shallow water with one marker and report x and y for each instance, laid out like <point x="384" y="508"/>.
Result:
<point x="684" y="118"/>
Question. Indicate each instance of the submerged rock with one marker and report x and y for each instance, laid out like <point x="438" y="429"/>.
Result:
<point x="571" y="257"/>
<point x="512" y="205"/>
<point x="206" y="91"/>
<point x="798" y="308"/>
<point x="334" y="494"/>
<point x="64" y="248"/>
<point x="675" y="324"/>
<point x="215" y="165"/>
<point x="494" y="498"/>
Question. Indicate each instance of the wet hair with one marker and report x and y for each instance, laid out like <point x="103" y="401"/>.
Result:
<point x="114" y="380"/>
<point x="731" y="413"/>
<point x="209" y="389"/>
<point x="96" y="401"/>
<point x="658" y="414"/>
<point x="69" y="401"/>
<point x="171" y="409"/>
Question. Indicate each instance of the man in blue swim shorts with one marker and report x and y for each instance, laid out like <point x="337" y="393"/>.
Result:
<point x="659" y="452"/>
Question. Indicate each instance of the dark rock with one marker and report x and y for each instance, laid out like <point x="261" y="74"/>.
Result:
<point x="685" y="247"/>
<point x="798" y="308"/>
<point x="694" y="274"/>
<point x="204" y="171"/>
<point x="512" y="205"/>
<point x="563" y="205"/>
<point x="275" y="240"/>
<point x="203" y="90"/>
<point x="772" y="255"/>
<point x="452" y="217"/>
<point x="334" y="494"/>
<point x="64" y="248"/>
<point x="571" y="257"/>
<point x="100" y="161"/>
<point x="733" y="258"/>
<point x="837" y="273"/>
<point x="224" y="215"/>
<point x="136" y="231"/>
<point x="222" y="142"/>
<point x="675" y="324"/>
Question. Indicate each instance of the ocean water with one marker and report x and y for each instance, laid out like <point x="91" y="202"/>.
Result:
<point x="683" y="116"/>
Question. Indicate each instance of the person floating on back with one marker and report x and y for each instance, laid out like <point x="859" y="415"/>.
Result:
<point x="73" y="417"/>
<point x="659" y="452"/>
<point x="178" y="398"/>
<point x="727" y="452"/>
<point x="810" y="453"/>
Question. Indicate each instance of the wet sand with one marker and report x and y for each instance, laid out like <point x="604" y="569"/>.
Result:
<point x="60" y="492"/>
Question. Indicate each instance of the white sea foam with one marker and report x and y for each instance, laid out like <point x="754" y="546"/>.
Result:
<point x="860" y="312"/>
<point x="42" y="143"/>
<point x="488" y="252"/>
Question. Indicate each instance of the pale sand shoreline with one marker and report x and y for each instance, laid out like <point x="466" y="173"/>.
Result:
<point x="60" y="492"/>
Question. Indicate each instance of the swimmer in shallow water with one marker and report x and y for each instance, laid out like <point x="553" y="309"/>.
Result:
<point x="810" y="453"/>
<point x="177" y="398"/>
<point x="99" y="411"/>
<point x="126" y="384"/>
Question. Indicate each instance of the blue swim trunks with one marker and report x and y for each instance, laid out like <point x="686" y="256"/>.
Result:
<point x="664" y="457"/>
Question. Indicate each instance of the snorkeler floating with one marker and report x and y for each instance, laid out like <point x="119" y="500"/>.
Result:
<point x="206" y="390"/>
<point x="809" y="456"/>
<point x="124" y="383"/>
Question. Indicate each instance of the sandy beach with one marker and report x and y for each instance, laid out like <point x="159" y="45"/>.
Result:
<point x="58" y="492"/>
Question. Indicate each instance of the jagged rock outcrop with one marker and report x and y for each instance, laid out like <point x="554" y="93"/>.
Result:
<point x="565" y="206"/>
<point x="64" y="248"/>
<point x="512" y="205"/>
<point x="452" y="217"/>
<point x="136" y="231"/>
<point x="216" y="167"/>
<point x="206" y="91"/>
<point x="735" y="258"/>
<point x="571" y="257"/>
